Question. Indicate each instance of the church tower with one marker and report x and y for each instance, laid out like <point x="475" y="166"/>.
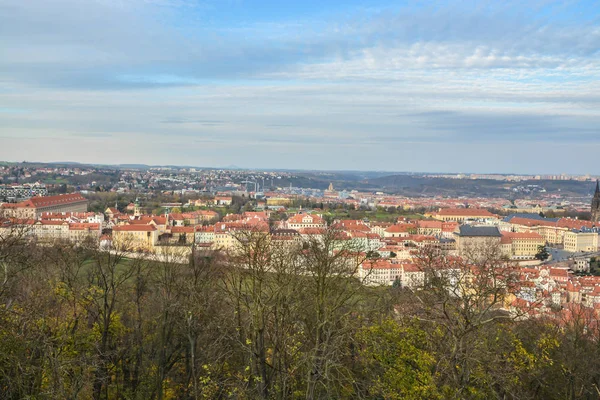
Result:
<point x="596" y="204"/>
<point x="137" y="210"/>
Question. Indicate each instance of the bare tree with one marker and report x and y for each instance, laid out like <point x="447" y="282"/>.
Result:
<point x="459" y="298"/>
<point x="331" y="266"/>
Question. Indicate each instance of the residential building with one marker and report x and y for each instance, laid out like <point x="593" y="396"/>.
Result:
<point x="35" y="206"/>
<point x="522" y="245"/>
<point x="474" y="242"/>
<point x="300" y="221"/>
<point x="463" y="214"/>
<point x="581" y="240"/>
<point x="138" y="237"/>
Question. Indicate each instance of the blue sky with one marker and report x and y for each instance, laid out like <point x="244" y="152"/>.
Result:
<point x="375" y="85"/>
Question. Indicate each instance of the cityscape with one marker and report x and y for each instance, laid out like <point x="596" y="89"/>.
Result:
<point x="551" y="234"/>
<point x="284" y="200"/>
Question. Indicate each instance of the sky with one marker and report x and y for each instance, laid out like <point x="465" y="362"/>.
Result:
<point x="453" y="86"/>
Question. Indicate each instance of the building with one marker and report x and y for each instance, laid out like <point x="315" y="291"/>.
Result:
<point x="596" y="204"/>
<point x="25" y="191"/>
<point x="205" y="234"/>
<point x="581" y="240"/>
<point x="553" y="230"/>
<point x="81" y="231"/>
<point x="384" y="272"/>
<point x="300" y="221"/>
<point x="399" y="230"/>
<point x="223" y="201"/>
<point x="35" y="206"/>
<point x="463" y="214"/>
<point x="474" y="242"/>
<point x="135" y="237"/>
<point x="183" y="234"/>
<point x="279" y="201"/>
<point x="521" y="245"/>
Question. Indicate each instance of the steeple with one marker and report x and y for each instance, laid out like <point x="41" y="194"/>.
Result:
<point x="596" y="204"/>
<point x="136" y="211"/>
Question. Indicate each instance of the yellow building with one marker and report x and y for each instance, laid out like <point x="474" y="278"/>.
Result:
<point x="521" y="245"/>
<point x="135" y="237"/>
<point x="279" y="201"/>
<point x="462" y="214"/>
<point x="35" y="206"/>
<point x="584" y="241"/>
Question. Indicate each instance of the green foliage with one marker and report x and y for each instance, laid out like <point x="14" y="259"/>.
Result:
<point x="396" y="362"/>
<point x="542" y="254"/>
<point x="267" y="323"/>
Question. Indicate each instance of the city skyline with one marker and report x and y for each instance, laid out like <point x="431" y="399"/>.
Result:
<point x="495" y="88"/>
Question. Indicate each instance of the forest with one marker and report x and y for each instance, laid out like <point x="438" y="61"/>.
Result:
<point x="277" y="320"/>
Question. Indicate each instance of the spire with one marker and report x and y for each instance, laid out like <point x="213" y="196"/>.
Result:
<point x="597" y="187"/>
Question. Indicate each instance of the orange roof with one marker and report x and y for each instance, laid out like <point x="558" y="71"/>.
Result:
<point x="430" y="224"/>
<point x="311" y="231"/>
<point x="84" y="226"/>
<point x="134" y="228"/>
<point x="559" y="272"/>
<point x="465" y="212"/>
<point x="531" y="222"/>
<point x="48" y="201"/>
<point x="573" y="223"/>
<point x="398" y="228"/>
<point x="182" y="229"/>
<point x="297" y="219"/>
<point x="522" y="235"/>
<point x="408" y="267"/>
<point x="377" y="264"/>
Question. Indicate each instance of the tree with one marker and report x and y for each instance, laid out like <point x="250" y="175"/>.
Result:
<point x="542" y="253"/>
<point x="396" y="363"/>
<point x="459" y="300"/>
<point x="263" y="286"/>
<point x="333" y="295"/>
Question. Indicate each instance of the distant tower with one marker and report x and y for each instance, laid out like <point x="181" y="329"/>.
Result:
<point x="596" y="204"/>
<point x="330" y="187"/>
<point x="136" y="210"/>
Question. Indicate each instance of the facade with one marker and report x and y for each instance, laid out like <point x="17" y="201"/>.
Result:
<point x="474" y="241"/>
<point x="553" y="230"/>
<point x="279" y="201"/>
<point x="135" y="237"/>
<point x="223" y="200"/>
<point x="300" y="221"/>
<point x="384" y="272"/>
<point x="25" y="191"/>
<point x="81" y="231"/>
<point x="463" y="214"/>
<point x="183" y="234"/>
<point x="521" y="245"/>
<point x="399" y="230"/>
<point x="581" y="241"/>
<point x="35" y="206"/>
<point x="205" y="234"/>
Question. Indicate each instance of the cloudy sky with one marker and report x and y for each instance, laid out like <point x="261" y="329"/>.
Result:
<point x="457" y="86"/>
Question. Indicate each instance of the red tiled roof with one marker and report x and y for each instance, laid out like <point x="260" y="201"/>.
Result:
<point x="60" y="199"/>
<point x="84" y="226"/>
<point x="398" y="228"/>
<point x="182" y="229"/>
<point x="297" y="219"/>
<point x="465" y="212"/>
<point x="134" y="228"/>
<point x="522" y="235"/>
